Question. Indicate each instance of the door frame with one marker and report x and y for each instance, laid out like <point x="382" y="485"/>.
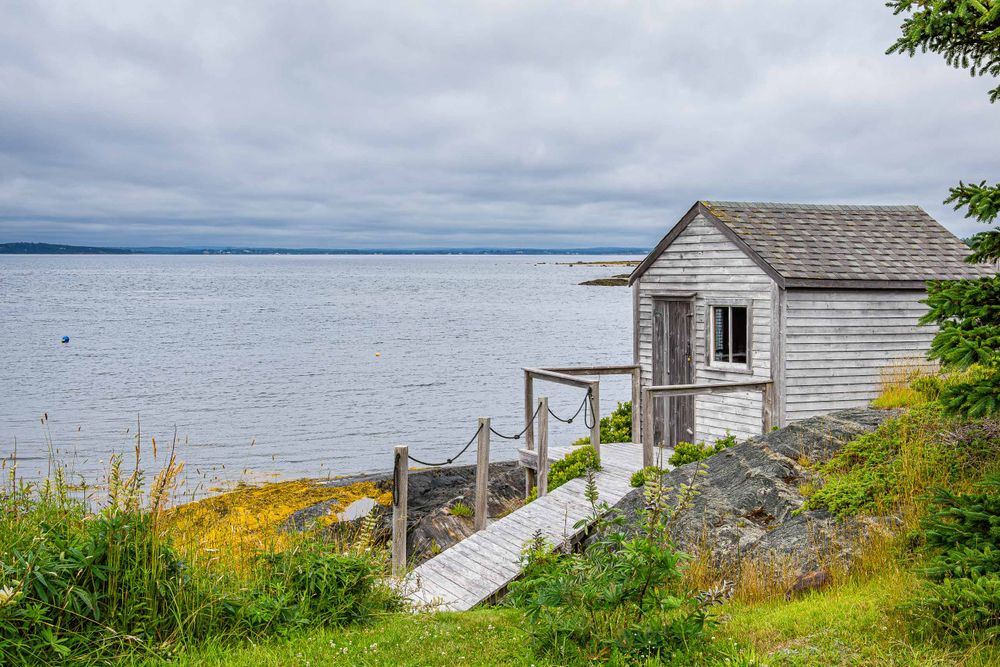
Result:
<point x="691" y="299"/>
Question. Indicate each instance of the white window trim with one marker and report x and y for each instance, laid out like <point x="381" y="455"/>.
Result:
<point x="711" y="304"/>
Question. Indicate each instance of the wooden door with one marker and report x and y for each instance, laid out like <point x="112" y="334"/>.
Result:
<point x="673" y="363"/>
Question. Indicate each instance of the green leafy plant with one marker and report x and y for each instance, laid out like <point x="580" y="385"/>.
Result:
<point x="460" y="509"/>
<point x="686" y="452"/>
<point x="327" y="586"/>
<point x="573" y="465"/>
<point x="639" y="477"/>
<point x="622" y="599"/>
<point x="616" y="427"/>
<point x="84" y="582"/>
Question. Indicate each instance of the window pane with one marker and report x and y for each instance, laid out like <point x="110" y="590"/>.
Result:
<point x="720" y="323"/>
<point x="740" y="331"/>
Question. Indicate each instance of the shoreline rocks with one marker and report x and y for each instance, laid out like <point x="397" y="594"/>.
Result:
<point x="431" y="528"/>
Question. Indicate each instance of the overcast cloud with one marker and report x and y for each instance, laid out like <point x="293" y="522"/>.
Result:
<point x="365" y="124"/>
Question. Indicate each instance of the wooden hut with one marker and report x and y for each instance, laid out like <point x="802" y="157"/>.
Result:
<point x="813" y="302"/>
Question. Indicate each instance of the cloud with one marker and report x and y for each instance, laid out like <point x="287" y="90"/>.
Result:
<point x="462" y="123"/>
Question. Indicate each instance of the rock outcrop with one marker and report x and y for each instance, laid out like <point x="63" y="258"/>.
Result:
<point x="432" y="527"/>
<point x="748" y="502"/>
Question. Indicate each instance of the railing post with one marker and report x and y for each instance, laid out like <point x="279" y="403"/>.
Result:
<point x="767" y="408"/>
<point x="647" y="428"/>
<point x="595" y="430"/>
<point x="529" y="405"/>
<point x="636" y="404"/>
<point x="400" y="491"/>
<point x="482" y="474"/>
<point x="529" y="426"/>
<point x="542" y="475"/>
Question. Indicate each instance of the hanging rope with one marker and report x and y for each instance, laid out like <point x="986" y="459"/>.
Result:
<point x="588" y="402"/>
<point x="593" y="413"/>
<point x="447" y="462"/>
<point x="523" y="431"/>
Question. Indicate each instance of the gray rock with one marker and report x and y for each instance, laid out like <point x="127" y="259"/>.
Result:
<point x="436" y="530"/>
<point x="432" y="492"/>
<point x="748" y="500"/>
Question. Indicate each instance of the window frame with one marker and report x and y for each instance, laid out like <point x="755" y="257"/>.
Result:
<point x="736" y="367"/>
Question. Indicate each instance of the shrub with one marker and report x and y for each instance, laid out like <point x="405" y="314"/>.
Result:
<point x="960" y="598"/>
<point x="622" y="600"/>
<point x="86" y="585"/>
<point x="639" y="477"/>
<point x="573" y="465"/>
<point x="616" y="427"/>
<point x="686" y="452"/>
<point x="460" y="509"/>
<point x="326" y="586"/>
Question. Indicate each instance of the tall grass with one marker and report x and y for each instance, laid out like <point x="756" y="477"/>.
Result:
<point x="87" y="577"/>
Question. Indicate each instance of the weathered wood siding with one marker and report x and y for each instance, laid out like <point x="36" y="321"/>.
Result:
<point x="837" y="342"/>
<point x="702" y="261"/>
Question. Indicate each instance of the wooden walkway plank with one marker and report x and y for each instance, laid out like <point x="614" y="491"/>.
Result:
<point x="480" y="566"/>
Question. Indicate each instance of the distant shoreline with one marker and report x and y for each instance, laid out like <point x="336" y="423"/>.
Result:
<point x="63" y="249"/>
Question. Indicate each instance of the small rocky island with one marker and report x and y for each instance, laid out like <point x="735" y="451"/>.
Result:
<point x="620" y="280"/>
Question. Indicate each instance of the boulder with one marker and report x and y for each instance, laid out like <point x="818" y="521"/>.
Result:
<point x="748" y="502"/>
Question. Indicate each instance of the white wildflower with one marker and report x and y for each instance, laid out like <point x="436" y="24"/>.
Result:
<point x="8" y="595"/>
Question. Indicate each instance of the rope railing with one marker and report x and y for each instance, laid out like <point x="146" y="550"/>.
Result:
<point x="586" y="406"/>
<point x="523" y="430"/>
<point x="588" y="402"/>
<point x="448" y="461"/>
<point x="400" y="487"/>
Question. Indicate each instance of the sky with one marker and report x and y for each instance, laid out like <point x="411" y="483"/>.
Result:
<point x="463" y="123"/>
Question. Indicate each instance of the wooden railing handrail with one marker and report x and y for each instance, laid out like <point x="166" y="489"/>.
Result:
<point x="650" y="394"/>
<point x="707" y="388"/>
<point x="622" y="369"/>
<point x="569" y="375"/>
<point x="561" y="378"/>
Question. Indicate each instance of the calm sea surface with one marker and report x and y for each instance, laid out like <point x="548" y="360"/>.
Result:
<point x="290" y="366"/>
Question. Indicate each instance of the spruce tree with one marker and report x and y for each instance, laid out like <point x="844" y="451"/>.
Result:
<point x="967" y="34"/>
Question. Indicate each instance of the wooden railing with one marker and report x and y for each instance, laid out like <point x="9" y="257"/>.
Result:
<point x="570" y="375"/>
<point x="537" y="476"/>
<point x="650" y="394"/>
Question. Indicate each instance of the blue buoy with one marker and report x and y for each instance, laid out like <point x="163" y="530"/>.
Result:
<point x="65" y="339"/>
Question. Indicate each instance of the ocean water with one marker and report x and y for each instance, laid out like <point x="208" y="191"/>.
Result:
<point x="290" y="366"/>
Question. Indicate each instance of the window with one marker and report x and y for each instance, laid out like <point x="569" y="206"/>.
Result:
<point x="730" y="331"/>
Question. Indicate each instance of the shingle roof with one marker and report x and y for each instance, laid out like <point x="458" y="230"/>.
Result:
<point x="802" y="243"/>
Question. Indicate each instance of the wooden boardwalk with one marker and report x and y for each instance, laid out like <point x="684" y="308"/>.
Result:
<point x="479" y="567"/>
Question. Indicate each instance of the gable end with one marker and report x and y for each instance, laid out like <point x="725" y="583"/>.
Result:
<point x="700" y="209"/>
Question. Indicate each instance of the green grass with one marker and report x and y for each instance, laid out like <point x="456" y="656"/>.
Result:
<point x="856" y="623"/>
<point x="853" y="624"/>
<point x="485" y="637"/>
<point x="460" y="509"/>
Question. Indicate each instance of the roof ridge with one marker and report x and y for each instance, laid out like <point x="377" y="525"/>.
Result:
<point x="818" y="207"/>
